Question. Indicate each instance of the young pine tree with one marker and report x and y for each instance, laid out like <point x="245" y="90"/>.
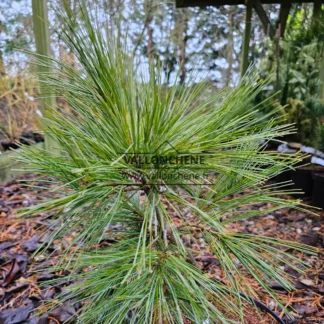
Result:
<point x="150" y="166"/>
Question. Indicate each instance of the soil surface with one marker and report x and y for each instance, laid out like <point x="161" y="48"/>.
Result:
<point x="21" y="275"/>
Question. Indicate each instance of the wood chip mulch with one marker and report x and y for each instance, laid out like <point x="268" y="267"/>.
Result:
<point x="20" y="275"/>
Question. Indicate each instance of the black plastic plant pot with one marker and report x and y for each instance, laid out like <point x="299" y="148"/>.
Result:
<point x="318" y="189"/>
<point x="302" y="179"/>
<point x="7" y="145"/>
<point x="284" y="177"/>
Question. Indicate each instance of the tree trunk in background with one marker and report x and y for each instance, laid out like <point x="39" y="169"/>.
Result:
<point x="230" y="47"/>
<point x="183" y="38"/>
<point x="149" y="29"/>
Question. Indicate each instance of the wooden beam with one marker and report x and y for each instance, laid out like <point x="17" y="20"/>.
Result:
<point x="267" y="26"/>
<point x="246" y="38"/>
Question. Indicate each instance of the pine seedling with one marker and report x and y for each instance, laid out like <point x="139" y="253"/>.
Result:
<point x="149" y="166"/>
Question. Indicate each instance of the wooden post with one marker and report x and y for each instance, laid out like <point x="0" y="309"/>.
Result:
<point x="42" y="40"/>
<point x="283" y="16"/>
<point x="317" y="8"/>
<point x="246" y="38"/>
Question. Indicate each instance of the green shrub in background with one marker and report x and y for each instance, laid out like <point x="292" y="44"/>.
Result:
<point x="306" y="117"/>
<point x="297" y="63"/>
<point x="120" y="116"/>
<point x="320" y="137"/>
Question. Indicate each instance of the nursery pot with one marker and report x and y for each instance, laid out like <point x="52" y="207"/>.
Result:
<point x="302" y="179"/>
<point x="284" y="176"/>
<point x="318" y="189"/>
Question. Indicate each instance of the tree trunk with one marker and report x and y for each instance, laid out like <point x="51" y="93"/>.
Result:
<point x="183" y="38"/>
<point x="230" y="48"/>
<point x="149" y="29"/>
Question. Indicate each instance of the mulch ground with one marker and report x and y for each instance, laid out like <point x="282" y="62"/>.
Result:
<point x="21" y="275"/>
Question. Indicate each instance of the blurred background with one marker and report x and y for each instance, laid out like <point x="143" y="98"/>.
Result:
<point x="283" y="38"/>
